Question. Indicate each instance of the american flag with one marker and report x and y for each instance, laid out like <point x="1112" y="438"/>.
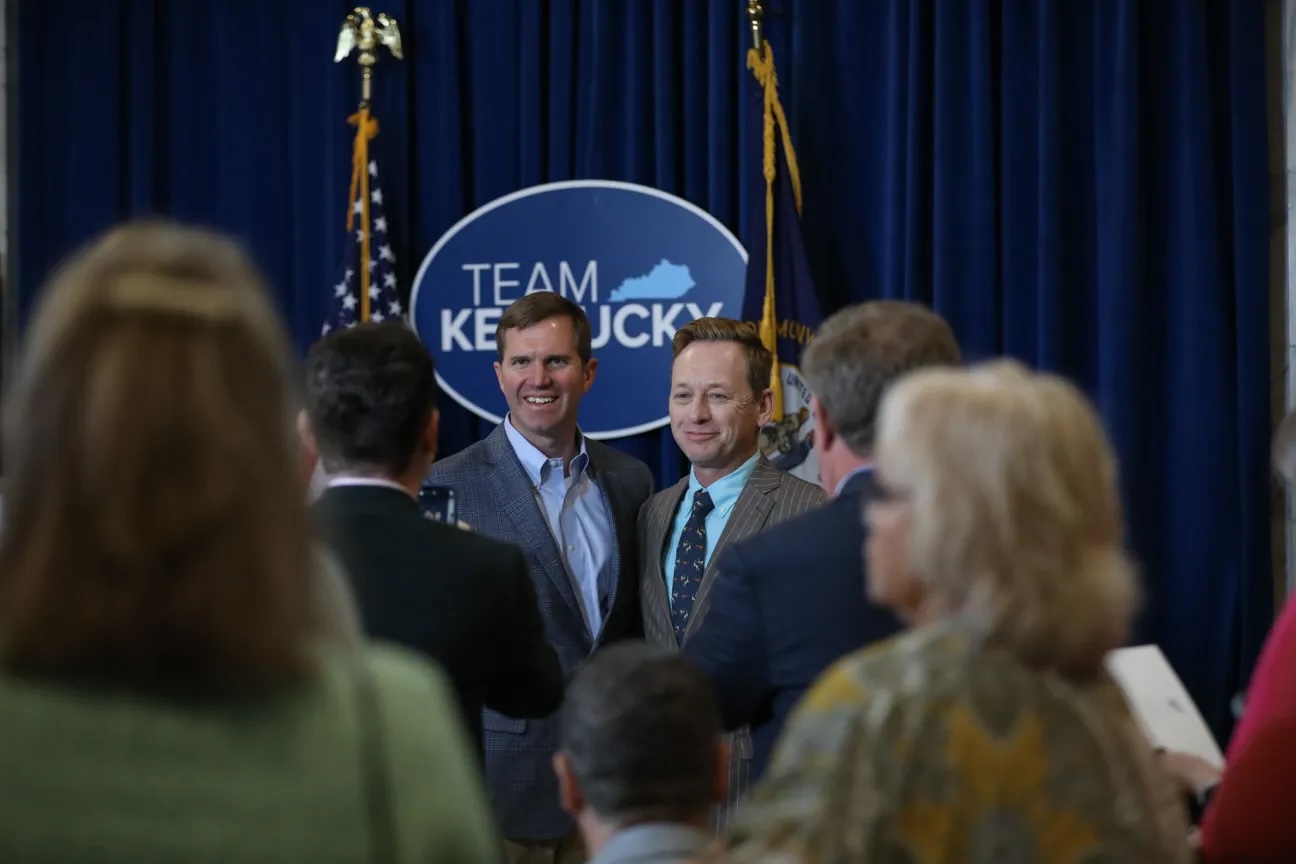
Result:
<point x="384" y="300"/>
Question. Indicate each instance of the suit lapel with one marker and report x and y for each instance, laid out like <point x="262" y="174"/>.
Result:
<point x="517" y="497"/>
<point x="624" y="519"/>
<point x="748" y="517"/>
<point x="657" y="531"/>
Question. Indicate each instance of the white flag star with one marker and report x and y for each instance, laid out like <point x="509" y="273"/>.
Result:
<point x="385" y="253"/>
<point x="373" y="169"/>
<point x="380" y="225"/>
<point x="349" y="302"/>
<point x="339" y="289"/>
<point x="393" y="308"/>
<point x="376" y="317"/>
<point x="374" y="292"/>
<point x="376" y="196"/>
<point x="326" y="329"/>
<point x="359" y="235"/>
<point x="348" y="275"/>
<point x="372" y="264"/>
<point x="359" y="207"/>
<point x="389" y="280"/>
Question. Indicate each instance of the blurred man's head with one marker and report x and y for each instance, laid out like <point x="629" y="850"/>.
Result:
<point x="640" y="742"/>
<point x="720" y="396"/>
<point x="371" y="403"/>
<point x="855" y="355"/>
<point x="544" y="368"/>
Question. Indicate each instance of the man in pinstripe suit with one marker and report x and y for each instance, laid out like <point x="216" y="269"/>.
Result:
<point x="570" y="503"/>
<point x="719" y="400"/>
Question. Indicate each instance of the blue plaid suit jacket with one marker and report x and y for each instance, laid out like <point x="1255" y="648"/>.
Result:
<point x="495" y="497"/>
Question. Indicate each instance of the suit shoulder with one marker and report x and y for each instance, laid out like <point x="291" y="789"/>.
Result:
<point x="613" y="459"/>
<point x="459" y="467"/>
<point x="776" y="547"/>
<point x="657" y="498"/>
<point x="801" y="494"/>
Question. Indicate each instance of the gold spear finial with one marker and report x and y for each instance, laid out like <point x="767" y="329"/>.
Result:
<point x="361" y="30"/>
<point x="755" y="12"/>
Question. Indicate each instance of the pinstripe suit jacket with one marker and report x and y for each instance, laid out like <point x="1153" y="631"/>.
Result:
<point x="770" y="497"/>
<point x="495" y="497"/>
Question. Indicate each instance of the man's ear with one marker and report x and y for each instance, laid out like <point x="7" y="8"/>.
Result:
<point x="723" y="754"/>
<point x="570" y="797"/>
<point x="309" y="444"/>
<point x="824" y="432"/>
<point x="304" y="431"/>
<point x="765" y="407"/>
<point x="432" y="433"/>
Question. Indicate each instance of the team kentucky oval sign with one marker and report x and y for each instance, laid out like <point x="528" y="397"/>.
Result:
<point x="640" y="262"/>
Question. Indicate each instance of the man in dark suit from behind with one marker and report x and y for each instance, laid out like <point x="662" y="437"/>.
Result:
<point x="791" y="600"/>
<point x="463" y="600"/>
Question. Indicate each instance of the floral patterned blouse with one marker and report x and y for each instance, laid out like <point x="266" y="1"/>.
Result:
<point x="932" y="748"/>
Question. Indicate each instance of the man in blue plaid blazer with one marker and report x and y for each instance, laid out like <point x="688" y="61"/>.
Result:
<point x="571" y="504"/>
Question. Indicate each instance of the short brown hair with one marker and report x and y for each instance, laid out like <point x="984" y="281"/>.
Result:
<point x="858" y="352"/>
<point x="155" y="535"/>
<point x="760" y="362"/>
<point x="530" y="309"/>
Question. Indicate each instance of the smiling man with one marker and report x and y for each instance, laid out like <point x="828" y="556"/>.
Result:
<point x="719" y="400"/>
<point x="570" y="503"/>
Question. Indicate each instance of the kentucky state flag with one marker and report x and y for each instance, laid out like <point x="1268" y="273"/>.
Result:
<point x="780" y="293"/>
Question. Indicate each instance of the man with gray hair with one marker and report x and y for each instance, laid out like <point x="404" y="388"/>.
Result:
<point x="791" y="601"/>
<point x="641" y="760"/>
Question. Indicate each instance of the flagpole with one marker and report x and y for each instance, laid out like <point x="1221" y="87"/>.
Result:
<point x="362" y="30"/>
<point x="761" y="62"/>
<point x="755" y="14"/>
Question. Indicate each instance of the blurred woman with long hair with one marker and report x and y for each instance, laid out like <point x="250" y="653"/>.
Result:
<point x="165" y="691"/>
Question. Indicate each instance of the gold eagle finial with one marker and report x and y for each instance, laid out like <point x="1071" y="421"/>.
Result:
<point x="361" y="30"/>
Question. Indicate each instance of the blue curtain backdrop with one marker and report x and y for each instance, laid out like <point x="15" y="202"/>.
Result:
<point x="1081" y="185"/>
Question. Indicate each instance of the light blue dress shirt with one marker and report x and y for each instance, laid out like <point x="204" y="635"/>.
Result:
<point x="724" y="495"/>
<point x="579" y="520"/>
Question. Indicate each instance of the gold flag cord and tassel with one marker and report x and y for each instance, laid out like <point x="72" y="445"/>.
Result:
<point x="366" y="129"/>
<point x="760" y="60"/>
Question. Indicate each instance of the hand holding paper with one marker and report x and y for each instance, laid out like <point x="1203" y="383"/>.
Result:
<point x="1161" y="704"/>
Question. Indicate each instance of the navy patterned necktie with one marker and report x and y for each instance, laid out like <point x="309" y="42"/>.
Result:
<point x="690" y="562"/>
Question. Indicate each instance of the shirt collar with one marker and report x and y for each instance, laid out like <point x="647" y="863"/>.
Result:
<point x="382" y="482"/>
<point x="536" y="464"/>
<point x="725" y="491"/>
<point x="653" y="841"/>
<point x="841" y="484"/>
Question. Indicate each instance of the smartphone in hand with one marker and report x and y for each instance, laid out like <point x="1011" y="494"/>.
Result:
<point x="438" y="503"/>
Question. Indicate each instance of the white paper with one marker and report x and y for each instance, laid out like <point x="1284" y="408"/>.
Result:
<point x="1161" y="704"/>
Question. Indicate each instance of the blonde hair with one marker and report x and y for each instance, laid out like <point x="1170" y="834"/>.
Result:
<point x="1017" y="523"/>
<point x="155" y="532"/>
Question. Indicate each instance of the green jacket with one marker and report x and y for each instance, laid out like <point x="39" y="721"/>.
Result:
<point x="101" y="777"/>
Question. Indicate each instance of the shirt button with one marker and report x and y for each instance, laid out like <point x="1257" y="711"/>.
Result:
<point x="571" y="548"/>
